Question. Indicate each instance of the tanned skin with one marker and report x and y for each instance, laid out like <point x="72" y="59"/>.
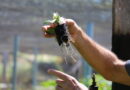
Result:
<point x="101" y="59"/>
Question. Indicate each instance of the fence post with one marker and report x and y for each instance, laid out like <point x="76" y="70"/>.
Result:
<point x="34" y="69"/>
<point x="87" y="70"/>
<point x="15" y="53"/>
<point x="4" y="61"/>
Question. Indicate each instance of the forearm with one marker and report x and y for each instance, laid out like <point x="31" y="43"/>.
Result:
<point x="100" y="58"/>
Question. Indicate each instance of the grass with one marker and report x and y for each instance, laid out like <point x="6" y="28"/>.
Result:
<point x="48" y="83"/>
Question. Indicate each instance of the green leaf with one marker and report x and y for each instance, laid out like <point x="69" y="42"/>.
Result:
<point x="49" y="22"/>
<point x="51" y="31"/>
<point x="56" y="17"/>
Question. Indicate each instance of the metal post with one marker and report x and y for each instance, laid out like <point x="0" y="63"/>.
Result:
<point x="34" y="69"/>
<point x="15" y="52"/>
<point x="5" y="59"/>
<point x="87" y="70"/>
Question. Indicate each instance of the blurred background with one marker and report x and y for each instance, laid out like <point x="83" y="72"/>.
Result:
<point x="25" y="56"/>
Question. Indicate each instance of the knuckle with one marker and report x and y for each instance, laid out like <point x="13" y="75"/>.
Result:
<point x="74" y="87"/>
<point x="70" y="22"/>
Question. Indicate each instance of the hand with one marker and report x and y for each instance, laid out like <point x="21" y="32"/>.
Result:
<point x="73" y="28"/>
<point x="66" y="82"/>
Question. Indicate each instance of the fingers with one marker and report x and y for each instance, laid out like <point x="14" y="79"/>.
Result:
<point x="70" y="22"/>
<point x="59" y="74"/>
<point x="61" y="83"/>
<point x="46" y="28"/>
<point x="47" y="35"/>
<point x="66" y="82"/>
<point x="59" y="87"/>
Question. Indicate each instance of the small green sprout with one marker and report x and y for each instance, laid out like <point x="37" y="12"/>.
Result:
<point x="56" y="19"/>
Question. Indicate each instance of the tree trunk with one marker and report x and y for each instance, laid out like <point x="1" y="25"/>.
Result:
<point x="121" y="34"/>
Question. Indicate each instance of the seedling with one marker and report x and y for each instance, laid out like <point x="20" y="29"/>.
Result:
<point x="60" y="30"/>
<point x="61" y="33"/>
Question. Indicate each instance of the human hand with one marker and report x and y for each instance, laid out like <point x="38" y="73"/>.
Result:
<point x="66" y="82"/>
<point x="73" y="28"/>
